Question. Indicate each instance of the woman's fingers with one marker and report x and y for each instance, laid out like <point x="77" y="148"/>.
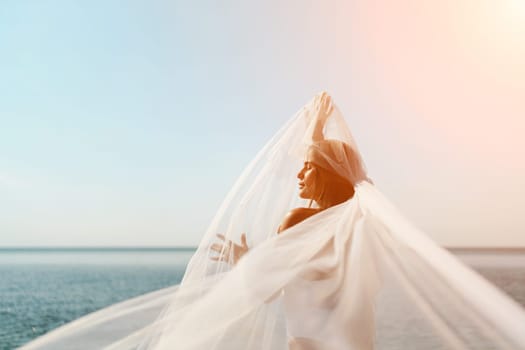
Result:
<point x="228" y="250"/>
<point x="330" y="107"/>
<point x="323" y="105"/>
<point x="327" y="104"/>
<point x="218" y="247"/>
<point x="227" y="242"/>
<point x="219" y="258"/>
<point x="244" y="243"/>
<point x="223" y="252"/>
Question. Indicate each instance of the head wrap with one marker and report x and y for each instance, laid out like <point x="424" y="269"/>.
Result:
<point x="338" y="158"/>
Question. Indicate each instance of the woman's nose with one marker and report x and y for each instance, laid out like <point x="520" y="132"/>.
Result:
<point x="300" y="175"/>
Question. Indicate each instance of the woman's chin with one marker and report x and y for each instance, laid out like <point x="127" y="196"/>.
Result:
<point x="303" y="195"/>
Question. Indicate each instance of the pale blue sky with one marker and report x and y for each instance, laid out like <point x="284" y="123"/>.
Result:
<point x="126" y="122"/>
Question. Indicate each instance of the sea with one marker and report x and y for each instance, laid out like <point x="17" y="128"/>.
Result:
<point x="41" y="289"/>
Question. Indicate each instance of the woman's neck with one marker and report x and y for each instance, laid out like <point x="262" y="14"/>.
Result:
<point x="335" y="198"/>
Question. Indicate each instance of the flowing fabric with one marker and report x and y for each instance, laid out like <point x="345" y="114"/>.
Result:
<point x="353" y="276"/>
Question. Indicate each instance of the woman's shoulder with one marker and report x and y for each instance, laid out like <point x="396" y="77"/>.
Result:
<point x="295" y="216"/>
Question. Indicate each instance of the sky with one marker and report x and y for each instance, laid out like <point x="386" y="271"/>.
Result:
<point x="125" y="123"/>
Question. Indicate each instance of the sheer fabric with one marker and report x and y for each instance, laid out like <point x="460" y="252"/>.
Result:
<point x="354" y="276"/>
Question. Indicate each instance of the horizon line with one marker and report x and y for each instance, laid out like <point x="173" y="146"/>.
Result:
<point x="193" y="248"/>
<point x="98" y="248"/>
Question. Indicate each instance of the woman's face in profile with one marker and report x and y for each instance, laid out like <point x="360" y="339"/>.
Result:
<point x="307" y="177"/>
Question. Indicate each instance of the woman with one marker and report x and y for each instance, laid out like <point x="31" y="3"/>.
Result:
<point x="350" y="272"/>
<point x="327" y="179"/>
<point x="346" y="270"/>
<point x="318" y="181"/>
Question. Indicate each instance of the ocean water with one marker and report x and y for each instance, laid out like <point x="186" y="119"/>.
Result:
<point x="43" y="289"/>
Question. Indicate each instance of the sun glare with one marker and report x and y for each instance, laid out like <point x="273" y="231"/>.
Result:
<point x="518" y="5"/>
<point x="515" y="14"/>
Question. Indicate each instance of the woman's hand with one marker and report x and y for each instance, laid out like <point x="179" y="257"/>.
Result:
<point x="323" y="107"/>
<point x="228" y="250"/>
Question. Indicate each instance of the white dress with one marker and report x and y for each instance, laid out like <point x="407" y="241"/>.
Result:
<point x="375" y="253"/>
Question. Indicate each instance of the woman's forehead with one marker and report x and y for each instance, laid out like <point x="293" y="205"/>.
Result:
<point x="312" y="155"/>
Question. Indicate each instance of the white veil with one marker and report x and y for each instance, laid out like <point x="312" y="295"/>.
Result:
<point x="354" y="276"/>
